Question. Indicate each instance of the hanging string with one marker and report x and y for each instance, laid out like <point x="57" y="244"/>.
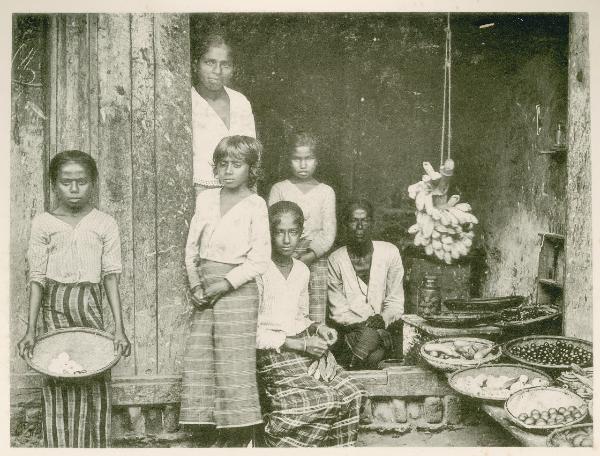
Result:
<point x="447" y="137"/>
<point x="449" y="86"/>
<point x="444" y="103"/>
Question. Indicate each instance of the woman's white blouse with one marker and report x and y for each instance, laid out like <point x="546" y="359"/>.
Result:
<point x="240" y="237"/>
<point x="74" y="254"/>
<point x="283" y="309"/>
<point x="208" y="129"/>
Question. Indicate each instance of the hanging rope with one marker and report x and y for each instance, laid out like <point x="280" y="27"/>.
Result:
<point x="449" y="65"/>
<point x="444" y="103"/>
<point x="447" y="137"/>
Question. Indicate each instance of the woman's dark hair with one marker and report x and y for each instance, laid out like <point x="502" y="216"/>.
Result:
<point x="285" y="207"/>
<point x="243" y="148"/>
<point x="358" y="203"/>
<point x="215" y="37"/>
<point x="67" y="156"/>
<point x="304" y="139"/>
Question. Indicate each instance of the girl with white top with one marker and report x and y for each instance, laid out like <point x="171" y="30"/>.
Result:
<point x="317" y="201"/>
<point x="73" y="251"/>
<point x="300" y="410"/>
<point x="217" y="110"/>
<point x="228" y="247"/>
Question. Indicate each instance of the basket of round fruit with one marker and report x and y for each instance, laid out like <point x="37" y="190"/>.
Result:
<point x="453" y="353"/>
<point x="578" y="435"/>
<point x="549" y="352"/>
<point x="545" y="408"/>
<point x="73" y="353"/>
<point x="496" y="382"/>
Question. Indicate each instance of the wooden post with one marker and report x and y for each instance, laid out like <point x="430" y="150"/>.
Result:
<point x="577" y="318"/>
<point x="28" y="157"/>
<point x="175" y="194"/>
<point x="143" y="156"/>
<point x="114" y="156"/>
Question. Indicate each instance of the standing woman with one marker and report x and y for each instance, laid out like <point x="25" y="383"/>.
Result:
<point x="228" y="247"/>
<point x="317" y="201"/>
<point x="72" y="250"/>
<point x="217" y="110"/>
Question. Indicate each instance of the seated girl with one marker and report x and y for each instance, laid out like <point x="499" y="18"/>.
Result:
<point x="301" y="411"/>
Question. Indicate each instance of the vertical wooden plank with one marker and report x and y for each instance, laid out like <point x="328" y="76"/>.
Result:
<point x="53" y="87"/>
<point x="144" y="192"/>
<point x="174" y="199"/>
<point x="92" y="38"/>
<point x="73" y="83"/>
<point x="577" y="320"/>
<point x="114" y="154"/>
<point x="27" y="160"/>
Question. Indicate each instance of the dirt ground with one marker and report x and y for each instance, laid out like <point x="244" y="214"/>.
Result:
<point x="482" y="432"/>
<point x="485" y="434"/>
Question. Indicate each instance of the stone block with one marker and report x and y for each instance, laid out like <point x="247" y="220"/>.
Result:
<point x="383" y="412"/>
<point x="414" y="409"/>
<point x="433" y="410"/>
<point x="119" y="423"/>
<point x="153" y="420"/>
<point x="137" y="420"/>
<point x="170" y="415"/>
<point x="453" y="409"/>
<point x="400" y="414"/>
<point x="33" y="415"/>
<point x="366" y="412"/>
<point x="17" y="419"/>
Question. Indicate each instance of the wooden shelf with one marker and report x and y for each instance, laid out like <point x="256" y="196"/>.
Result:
<point x="551" y="283"/>
<point x="553" y="237"/>
<point x="555" y="150"/>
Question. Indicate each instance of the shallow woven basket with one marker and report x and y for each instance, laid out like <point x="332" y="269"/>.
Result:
<point x="510" y="370"/>
<point x="451" y="365"/>
<point x="554" y="439"/>
<point x="509" y="346"/>
<point x="542" y="398"/>
<point x="91" y="348"/>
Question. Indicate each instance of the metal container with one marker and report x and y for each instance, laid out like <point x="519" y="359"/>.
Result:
<point x="429" y="299"/>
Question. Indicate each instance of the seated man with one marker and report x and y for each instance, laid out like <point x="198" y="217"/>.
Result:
<point x="365" y="291"/>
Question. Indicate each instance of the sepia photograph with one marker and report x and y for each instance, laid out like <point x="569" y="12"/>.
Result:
<point x="300" y="229"/>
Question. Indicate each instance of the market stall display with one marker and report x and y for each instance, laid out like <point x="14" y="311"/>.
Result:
<point x="74" y="353"/>
<point x="578" y="435"/>
<point x="545" y="408"/>
<point x="496" y="382"/>
<point x="450" y="354"/>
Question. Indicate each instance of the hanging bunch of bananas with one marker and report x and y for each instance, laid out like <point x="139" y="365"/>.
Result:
<point x="324" y="368"/>
<point x="444" y="225"/>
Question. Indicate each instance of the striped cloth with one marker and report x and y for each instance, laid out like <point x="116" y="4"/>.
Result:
<point x="76" y="414"/>
<point x="317" y="285"/>
<point x="303" y="412"/>
<point x="219" y="372"/>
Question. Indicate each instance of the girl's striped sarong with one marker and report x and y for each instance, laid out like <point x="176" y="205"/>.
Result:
<point x="317" y="285"/>
<point x="219" y="366"/>
<point x="76" y="413"/>
<point x="303" y="412"/>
